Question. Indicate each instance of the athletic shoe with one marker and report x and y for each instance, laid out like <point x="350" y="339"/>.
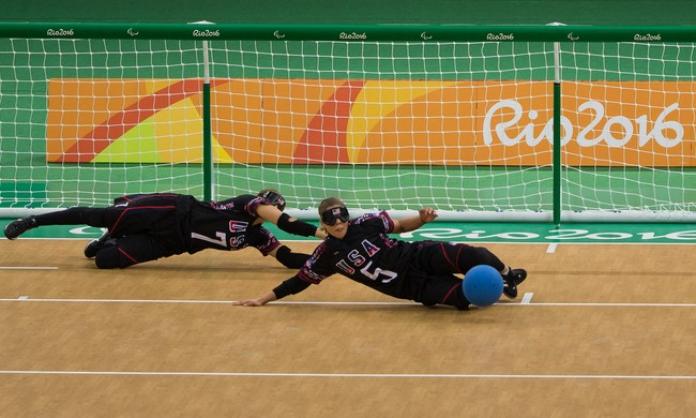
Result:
<point x="95" y="245"/>
<point x="18" y="227"/>
<point x="512" y="279"/>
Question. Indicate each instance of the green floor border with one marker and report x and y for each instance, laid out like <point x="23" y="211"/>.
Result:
<point x="477" y="232"/>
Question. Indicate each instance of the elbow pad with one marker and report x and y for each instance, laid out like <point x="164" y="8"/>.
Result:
<point x="296" y="227"/>
<point x="290" y="287"/>
<point x="289" y="259"/>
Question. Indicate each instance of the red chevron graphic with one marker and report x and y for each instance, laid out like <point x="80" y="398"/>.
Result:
<point x="324" y="141"/>
<point x="96" y="141"/>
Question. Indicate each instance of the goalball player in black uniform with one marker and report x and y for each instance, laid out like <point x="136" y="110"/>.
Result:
<point x="361" y="250"/>
<point x="146" y="227"/>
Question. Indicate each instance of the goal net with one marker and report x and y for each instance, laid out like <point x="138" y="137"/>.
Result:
<point x="462" y="126"/>
<point x="630" y="121"/>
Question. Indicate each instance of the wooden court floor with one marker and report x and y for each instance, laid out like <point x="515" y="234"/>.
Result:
<point x="604" y="331"/>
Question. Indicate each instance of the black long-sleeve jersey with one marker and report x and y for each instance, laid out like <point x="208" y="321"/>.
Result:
<point x="366" y="254"/>
<point x="228" y="225"/>
<point x="185" y="224"/>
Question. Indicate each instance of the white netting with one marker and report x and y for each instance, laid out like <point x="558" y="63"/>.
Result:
<point x="384" y="125"/>
<point x="634" y="148"/>
<point x="464" y="127"/>
<point x="84" y="121"/>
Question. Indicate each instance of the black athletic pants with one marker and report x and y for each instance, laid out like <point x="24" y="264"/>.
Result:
<point x="144" y="228"/>
<point x="432" y="279"/>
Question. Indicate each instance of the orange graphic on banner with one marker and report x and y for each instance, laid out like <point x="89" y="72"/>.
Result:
<point x="254" y="121"/>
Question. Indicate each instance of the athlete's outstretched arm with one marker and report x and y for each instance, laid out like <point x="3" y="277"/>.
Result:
<point x="288" y="224"/>
<point x="289" y="287"/>
<point x="411" y="223"/>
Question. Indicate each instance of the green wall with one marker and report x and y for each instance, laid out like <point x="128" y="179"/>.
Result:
<point x="590" y="12"/>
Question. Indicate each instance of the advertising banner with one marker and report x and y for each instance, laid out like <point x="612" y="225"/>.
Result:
<point x="302" y="121"/>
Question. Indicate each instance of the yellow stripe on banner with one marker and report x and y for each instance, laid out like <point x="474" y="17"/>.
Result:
<point x="378" y="100"/>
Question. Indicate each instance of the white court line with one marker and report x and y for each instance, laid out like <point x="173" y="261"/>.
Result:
<point x="551" y="248"/>
<point x="355" y="375"/>
<point x="527" y="298"/>
<point x="28" y="299"/>
<point x="27" y="268"/>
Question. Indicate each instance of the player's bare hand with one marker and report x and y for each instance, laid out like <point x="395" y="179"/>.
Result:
<point x="249" y="302"/>
<point x="321" y="233"/>
<point x="427" y="215"/>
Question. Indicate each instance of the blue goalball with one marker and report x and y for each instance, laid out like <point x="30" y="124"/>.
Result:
<point x="482" y="285"/>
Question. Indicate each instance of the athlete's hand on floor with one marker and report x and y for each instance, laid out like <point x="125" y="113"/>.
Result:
<point x="249" y="302"/>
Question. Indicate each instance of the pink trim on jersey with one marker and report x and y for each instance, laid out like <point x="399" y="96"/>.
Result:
<point x="387" y="220"/>
<point x="444" y="254"/>
<point x="128" y="256"/>
<point x="113" y="227"/>
<point x="274" y="243"/>
<point x="253" y="205"/>
<point x="459" y="251"/>
<point x="449" y="292"/>
<point x="125" y="197"/>
<point x="277" y="244"/>
<point x="306" y="272"/>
